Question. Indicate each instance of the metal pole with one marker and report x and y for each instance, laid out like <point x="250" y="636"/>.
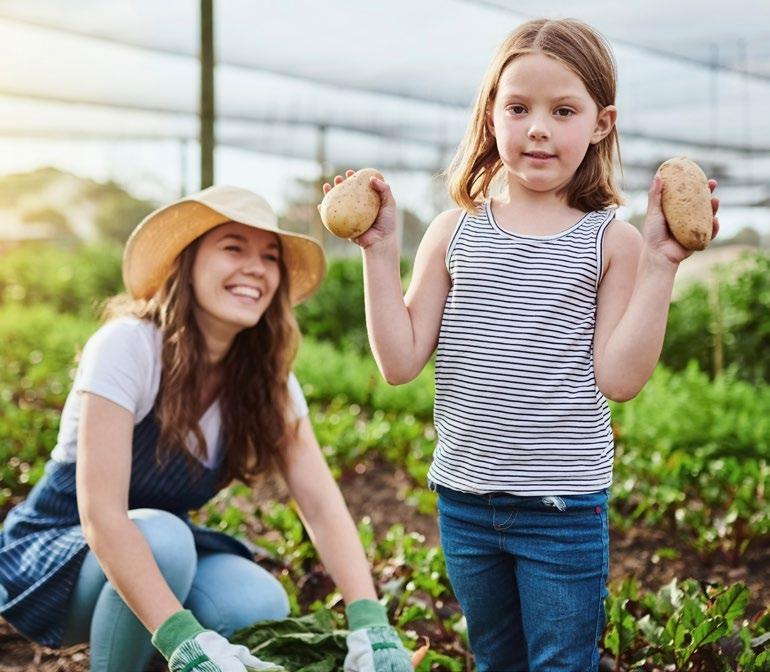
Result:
<point x="183" y="177"/>
<point x="714" y="95"/>
<point x="316" y="226"/>
<point x="207" y="111"/>
<point x="743" y="44"/>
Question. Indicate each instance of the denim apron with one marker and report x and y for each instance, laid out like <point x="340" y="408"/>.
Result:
<point x="42" y="546"/>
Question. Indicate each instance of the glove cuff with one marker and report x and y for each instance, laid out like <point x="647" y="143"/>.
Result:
<point x="365" y="614"/>
<point x="176" y="629"/>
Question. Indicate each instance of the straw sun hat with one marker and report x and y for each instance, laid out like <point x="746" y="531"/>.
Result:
<point x="155" y="243"/>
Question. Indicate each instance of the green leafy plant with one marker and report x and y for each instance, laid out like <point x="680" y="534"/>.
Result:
<point x="724" y="323"/>
<point x="685" y="626"/>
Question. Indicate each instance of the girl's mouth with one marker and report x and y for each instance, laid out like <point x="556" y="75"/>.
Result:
<point x="539" y="156"/>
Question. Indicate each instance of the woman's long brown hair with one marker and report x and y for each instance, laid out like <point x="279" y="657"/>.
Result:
<point x="584" y="51"/>
<point x="255" y="405"/>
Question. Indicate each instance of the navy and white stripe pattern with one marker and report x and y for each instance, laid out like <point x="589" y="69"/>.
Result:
<point x="517" y="407"/>
<point x="42" y="546"/>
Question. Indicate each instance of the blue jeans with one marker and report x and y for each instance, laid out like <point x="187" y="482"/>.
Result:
<point x="225" y="593"/>
<point x="530" y="574"/>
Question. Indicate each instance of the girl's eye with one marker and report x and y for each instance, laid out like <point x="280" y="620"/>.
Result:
<point x="517" y="109"/>
<point x="233" y="248"/>
<point x="564" y="112"/>
<point x="271" y="257"/>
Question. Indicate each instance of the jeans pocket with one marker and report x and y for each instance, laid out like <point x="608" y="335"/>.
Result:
<point x="503" y="517"/>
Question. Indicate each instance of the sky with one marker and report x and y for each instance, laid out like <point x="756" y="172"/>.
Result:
<point x="402" y="71"/>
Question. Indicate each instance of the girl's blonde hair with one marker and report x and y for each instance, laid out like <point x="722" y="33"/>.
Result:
<point x="256" y="410"/>
<point x="584" y="51"/>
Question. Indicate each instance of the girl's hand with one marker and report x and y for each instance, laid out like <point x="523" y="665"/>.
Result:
<point x="383" y="231"/>
<point x="657" y="235"/>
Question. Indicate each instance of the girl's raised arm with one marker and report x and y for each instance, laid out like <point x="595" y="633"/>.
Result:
<point x="403" y="330"/>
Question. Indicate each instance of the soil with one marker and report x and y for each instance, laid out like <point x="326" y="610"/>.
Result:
<point x="380" y="491"/>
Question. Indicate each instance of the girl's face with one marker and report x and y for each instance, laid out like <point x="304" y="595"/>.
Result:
<point x="234" y="276"/>
<point x="543" y="120"/>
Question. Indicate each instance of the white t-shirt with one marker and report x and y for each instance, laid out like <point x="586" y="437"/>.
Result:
<point x="121" y="362"/>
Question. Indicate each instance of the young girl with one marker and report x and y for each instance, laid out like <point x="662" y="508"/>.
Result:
<point x="541" y="304"/>
<point x="187" y="387"/>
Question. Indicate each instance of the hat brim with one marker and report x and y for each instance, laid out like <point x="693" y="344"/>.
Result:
<point x="158" y="240"/>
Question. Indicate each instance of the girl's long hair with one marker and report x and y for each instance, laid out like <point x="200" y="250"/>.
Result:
<point x="255" y="405"/>
<point x="584" y="51"/>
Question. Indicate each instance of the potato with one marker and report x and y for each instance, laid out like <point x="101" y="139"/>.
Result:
<point x="349" y="208"/>
<point x="686" y="202"/>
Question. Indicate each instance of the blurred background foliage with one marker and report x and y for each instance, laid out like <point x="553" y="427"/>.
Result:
<point x="691" y="450"/>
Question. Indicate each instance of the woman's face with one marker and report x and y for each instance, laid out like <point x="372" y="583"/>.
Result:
<point x="235" y="276"/>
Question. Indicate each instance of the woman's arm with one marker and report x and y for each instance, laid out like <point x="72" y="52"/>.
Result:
<point x="326" y="516"/>
<point x="103" y="471"/>
<point x="634" y="298"/>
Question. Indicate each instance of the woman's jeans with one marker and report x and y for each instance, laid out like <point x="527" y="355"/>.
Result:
<point x="225" y="592"/>
<point x="530" y="574"/>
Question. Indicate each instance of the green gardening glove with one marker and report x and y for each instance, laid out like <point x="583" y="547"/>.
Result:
<point x="189" y="647"/>
<point x="373" y="646"/>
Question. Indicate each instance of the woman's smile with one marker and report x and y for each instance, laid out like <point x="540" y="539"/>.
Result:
<point x="245" y="293"/>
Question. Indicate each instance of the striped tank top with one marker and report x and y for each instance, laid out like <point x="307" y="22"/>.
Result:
<point x="517" y="407"/>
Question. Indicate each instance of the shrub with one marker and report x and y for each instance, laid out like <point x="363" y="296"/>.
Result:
<point x="336" y="312"/>
<point x="726" y="324"/>
<point x="71" y="281"/>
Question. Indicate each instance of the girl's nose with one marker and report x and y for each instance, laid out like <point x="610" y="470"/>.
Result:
<point x="538" y="128"/>
<point x="538" y="132"/>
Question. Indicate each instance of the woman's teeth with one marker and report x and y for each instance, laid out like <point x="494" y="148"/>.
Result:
<point x="248" y="292"/>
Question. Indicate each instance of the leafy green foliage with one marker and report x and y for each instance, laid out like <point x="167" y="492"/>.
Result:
<point x="685" y="626"/>
<point x="50" y="217"/>
<point x="330" y="373"/>
<point x="692" y="457"/>
<point x="311" y="643"/>
<point x="730" y="317"/>
<point x="59" y="199"/>
<point x="336" y="312"/>
<point x="118" y="212"/>
<point x="36" y="366"/>
<point x="68" y="281"/>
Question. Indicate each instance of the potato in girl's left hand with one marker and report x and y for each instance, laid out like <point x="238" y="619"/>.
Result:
<point x="686" y="202"/>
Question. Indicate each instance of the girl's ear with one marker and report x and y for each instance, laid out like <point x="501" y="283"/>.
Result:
<point x="490" y="121"/>
<point x="605" y="122"/>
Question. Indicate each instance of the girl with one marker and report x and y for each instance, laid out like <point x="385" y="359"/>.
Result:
<point x="542" y="304"/>
<point x="187" y="387"/>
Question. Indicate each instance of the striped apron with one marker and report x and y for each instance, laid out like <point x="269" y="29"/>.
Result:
<point x="42" y="546"/>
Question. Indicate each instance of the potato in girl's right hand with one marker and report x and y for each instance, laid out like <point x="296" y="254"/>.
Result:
<point x="350" y="207"/>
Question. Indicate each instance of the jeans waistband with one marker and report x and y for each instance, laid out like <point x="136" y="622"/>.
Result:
<point x="558" y="501"/>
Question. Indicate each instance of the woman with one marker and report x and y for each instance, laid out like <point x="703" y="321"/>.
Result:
<point x="187" y="386"/>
